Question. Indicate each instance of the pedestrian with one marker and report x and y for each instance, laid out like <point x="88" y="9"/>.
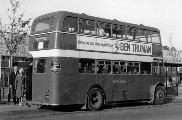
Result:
<point x="13" y="75"/>
<point x="170" y="80"/>
<point x="20" y="86"/>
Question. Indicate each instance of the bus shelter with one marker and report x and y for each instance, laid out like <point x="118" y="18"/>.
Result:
<point x="172" y="63"/>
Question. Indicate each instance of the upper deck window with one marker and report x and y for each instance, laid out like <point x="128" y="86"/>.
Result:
<point x="136" y="33"/>
<point x="44" y="25"/>
<point x="70" y="24"/>
<point x="87" y="26"/>
<point x="104" y="29"/>
<point x="143" y="35"/>
<point x="118" y="31"/>
<point x="130" y="33"/>
<point x="155" y="37"/>
<point x="133" y="33"/>
<point x="149" y="37"/>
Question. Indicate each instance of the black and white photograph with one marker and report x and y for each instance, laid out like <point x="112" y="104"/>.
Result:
<point x="90" y="60"/>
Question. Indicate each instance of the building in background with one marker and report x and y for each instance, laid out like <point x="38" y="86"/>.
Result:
<point x="173" y="63"/>
<point x="19" y="59"/>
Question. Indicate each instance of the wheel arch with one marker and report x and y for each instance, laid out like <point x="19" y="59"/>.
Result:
<point x="152" y="90"/>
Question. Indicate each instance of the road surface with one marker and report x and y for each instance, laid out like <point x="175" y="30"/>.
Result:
<point x="171" y="111"/>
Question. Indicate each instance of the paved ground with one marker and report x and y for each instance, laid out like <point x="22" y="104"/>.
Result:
<point x="6" y="106"/>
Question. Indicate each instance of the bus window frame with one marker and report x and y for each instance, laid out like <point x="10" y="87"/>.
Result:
<point x="121" y="31"/>
<point x="101" y="70"/>
<point x="133" y="66"/>
<point x="35" y="68"/>
<point x="49" y="20"/>
<point x="159" y="67"/>
<point x="145" y="69"/>
<point x="145" y="35"/>
<point x="158" y="37"/>
<point x="100" y="29"/>
<point x="82" y="29"/>
<point x="123" y="67"/>
<point x="83" y="67"/>
<point x="70" y="29"/>
<point x="149" y="36"/>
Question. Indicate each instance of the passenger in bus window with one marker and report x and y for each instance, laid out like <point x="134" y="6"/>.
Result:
<point x="135" y="71"/>
<point x="40" y="66"/>
<point x="122" y="70"/>
<point x="144" y="72"/>
<point x="80" y="67"/>
<point x="116" y="68"/>
<point x="101" y="31"/>
<point x="106" y="69"/>
<point x="91" y="68"/>
<point x="85" y="70"/>
<point x="131" y="70"/>
<point x="100" y="68"/>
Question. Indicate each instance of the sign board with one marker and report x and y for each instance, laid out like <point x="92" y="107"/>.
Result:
<point x="114" y="46"/>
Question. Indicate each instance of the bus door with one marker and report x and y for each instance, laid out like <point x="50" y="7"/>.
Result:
<point x="39" y="79"/>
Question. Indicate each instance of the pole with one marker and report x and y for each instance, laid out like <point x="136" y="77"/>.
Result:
<point x="10" y="52"/>
<point x="0" y="78"/>
<point x="166" y="78"/>
<point x="177" y="80"/>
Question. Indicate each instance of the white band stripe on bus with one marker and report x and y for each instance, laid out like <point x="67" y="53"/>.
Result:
<point x="91" y="55"/>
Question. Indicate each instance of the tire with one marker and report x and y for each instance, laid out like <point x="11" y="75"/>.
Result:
<point x="159" y="95"/>
<point x="95" y="99"/>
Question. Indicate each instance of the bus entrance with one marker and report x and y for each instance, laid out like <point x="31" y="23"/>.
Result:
<point x="172" y="79"/>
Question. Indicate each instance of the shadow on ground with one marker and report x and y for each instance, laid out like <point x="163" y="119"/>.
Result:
<point x="73" y="108"/>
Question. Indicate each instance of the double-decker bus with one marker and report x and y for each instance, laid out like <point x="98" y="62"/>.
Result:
<point x="82" y="59"/>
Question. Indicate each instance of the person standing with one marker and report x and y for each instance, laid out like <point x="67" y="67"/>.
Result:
<point x="20" y="86"/>
<point x="13" y="75"/>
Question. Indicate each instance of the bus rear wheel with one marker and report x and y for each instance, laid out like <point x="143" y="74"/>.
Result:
<point x="95" y="99"/>
<point x="159" y="96"/>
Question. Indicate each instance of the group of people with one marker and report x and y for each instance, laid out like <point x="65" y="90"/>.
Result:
<point x="17" y="85"/>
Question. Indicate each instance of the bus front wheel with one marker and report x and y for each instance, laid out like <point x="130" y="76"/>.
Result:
<point x="159" y="95"/>
<point x="95" y="99"/>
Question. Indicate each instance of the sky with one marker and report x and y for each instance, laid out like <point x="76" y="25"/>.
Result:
<point x="166" y="15"/>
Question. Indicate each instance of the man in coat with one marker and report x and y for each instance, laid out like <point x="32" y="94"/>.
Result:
<point x="13" y="75"/>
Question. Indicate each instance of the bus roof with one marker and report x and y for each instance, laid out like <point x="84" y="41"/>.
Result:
<point x="63" y="14"/>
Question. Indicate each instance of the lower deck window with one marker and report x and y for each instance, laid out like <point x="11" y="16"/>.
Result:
<point x="104" y="67"/>
<point x="119" y="67"/>
<point x="39" y="66"/>
<point x="145" y="68"/>
<point x="87" y="66"/>
<point x="133" y="68"/>
<point x="115" y="67"/>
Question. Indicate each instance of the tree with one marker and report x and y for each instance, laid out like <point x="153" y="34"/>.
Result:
<point x="15" y="31"/>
